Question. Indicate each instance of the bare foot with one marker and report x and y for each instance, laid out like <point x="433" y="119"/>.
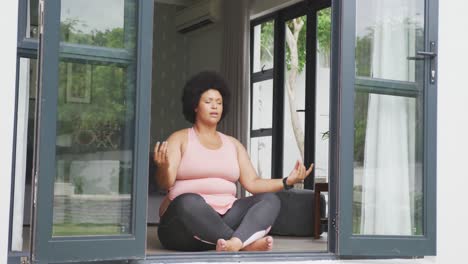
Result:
<point x="233" y="244"/>
<point x="262" y="244"/>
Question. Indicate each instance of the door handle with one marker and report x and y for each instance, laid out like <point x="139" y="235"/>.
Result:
<point x="429" y="54"/>
<point x="300" y="110"/>
<point x="422" y="55"/>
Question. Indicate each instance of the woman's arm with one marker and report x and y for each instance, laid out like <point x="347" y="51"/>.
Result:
<point x="167" y="156"/>
<point x="254" y="184"/>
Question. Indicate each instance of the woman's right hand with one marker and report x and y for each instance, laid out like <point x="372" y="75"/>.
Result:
<point x="299" y="173"/>
<point x="160" y="155"/>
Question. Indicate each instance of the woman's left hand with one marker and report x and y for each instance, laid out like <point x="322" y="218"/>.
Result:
<point x="299" y="173"/>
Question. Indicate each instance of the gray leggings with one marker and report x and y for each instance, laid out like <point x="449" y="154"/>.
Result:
<point x="190" y="224"/>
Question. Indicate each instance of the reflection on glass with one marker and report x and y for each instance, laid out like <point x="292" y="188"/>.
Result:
<point x="263" y="46"/>
<point x="260" y="155"/>
<point x="262" y="105"/>
<point x="95" y="123"/>
<point x="104" y="23"/>
<point x="322" y="94"/>
<point x="388" y="132"/>
<point x="294" y="88"/>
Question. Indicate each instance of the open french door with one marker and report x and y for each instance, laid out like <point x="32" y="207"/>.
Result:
<point x="383" y="133"/>
<point x="92" y="132"/>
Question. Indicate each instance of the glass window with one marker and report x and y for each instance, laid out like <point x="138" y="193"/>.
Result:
<point x="322" y="108"/>
<point x="262" y="105"/>
<point x="388" y="145"/>
<point x="94" y="150"/>
<point x="260" y="155"/>
<point x="95" y="122"/>
<point x="84" y="22"/>
<point x="263" y="46"/>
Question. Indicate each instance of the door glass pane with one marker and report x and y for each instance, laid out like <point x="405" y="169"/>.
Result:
<point x="94" y="165"/>
<point x="262" y="105"/>
<point x="105" y="23"/>
<point x="322" y="118"/>
<point x="294" y="89"/>
<point x="95" y="123"/>
<point x="260" y="155"/>
<point x="388" y="147"/>
<point x="263" y="46"/>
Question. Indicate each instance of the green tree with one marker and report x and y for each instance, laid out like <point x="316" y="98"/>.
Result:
<point x="295" y="61"/>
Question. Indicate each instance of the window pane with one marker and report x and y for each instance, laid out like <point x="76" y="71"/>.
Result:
<point x="262" y="105"/>
<point x="388" y="147"/>
<point x="105" y="23"/>
<point x="94" y="164"/>
<point x="294" y="89"/>
<point x="263" y="46"/>
<point x="260" y="155"/>
<point x="322" y="118"/>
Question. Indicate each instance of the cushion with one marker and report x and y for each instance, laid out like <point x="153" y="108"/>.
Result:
<point x="296" y="217"/>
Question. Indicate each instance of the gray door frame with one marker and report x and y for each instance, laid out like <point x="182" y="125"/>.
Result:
<point x="342" y="141"/>
<point x="64" y="249"/>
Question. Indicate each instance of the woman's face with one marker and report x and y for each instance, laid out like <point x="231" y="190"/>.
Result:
<point x="210" y="107"/>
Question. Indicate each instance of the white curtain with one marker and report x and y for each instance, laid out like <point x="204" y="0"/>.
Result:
<point x="389" y="153"/>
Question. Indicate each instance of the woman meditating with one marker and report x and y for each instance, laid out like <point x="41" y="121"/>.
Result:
<point x="200" y="167"/>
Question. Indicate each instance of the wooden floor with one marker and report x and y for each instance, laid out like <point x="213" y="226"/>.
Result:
<point x="281" y="243"/>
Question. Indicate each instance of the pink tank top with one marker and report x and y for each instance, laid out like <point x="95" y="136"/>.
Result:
<point x="211" y="173"/>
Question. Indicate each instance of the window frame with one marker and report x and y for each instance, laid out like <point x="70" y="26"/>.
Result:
<point x="280" y="17"/>
<point x="260" y="76"/>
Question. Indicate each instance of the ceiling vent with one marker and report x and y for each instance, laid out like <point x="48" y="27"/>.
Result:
<point x="200" y="14"/>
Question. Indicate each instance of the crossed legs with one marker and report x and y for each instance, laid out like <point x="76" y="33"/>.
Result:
<point x="190" y="224"/>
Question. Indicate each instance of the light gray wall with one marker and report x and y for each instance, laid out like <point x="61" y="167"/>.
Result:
<point x="205" y="46"/>
<point x="176" y="57"/>
<point x="169" y="73"/>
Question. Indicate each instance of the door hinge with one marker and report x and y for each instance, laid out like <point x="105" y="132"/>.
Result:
<point x="25" y="260"/>
<point x="41" y="16"/>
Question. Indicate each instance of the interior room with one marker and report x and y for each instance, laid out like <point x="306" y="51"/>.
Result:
<point x="192" y="36"/>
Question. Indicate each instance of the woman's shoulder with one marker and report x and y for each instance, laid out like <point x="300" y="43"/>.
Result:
<point x="179" y="135"/>
<point x="234" y="140"/>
